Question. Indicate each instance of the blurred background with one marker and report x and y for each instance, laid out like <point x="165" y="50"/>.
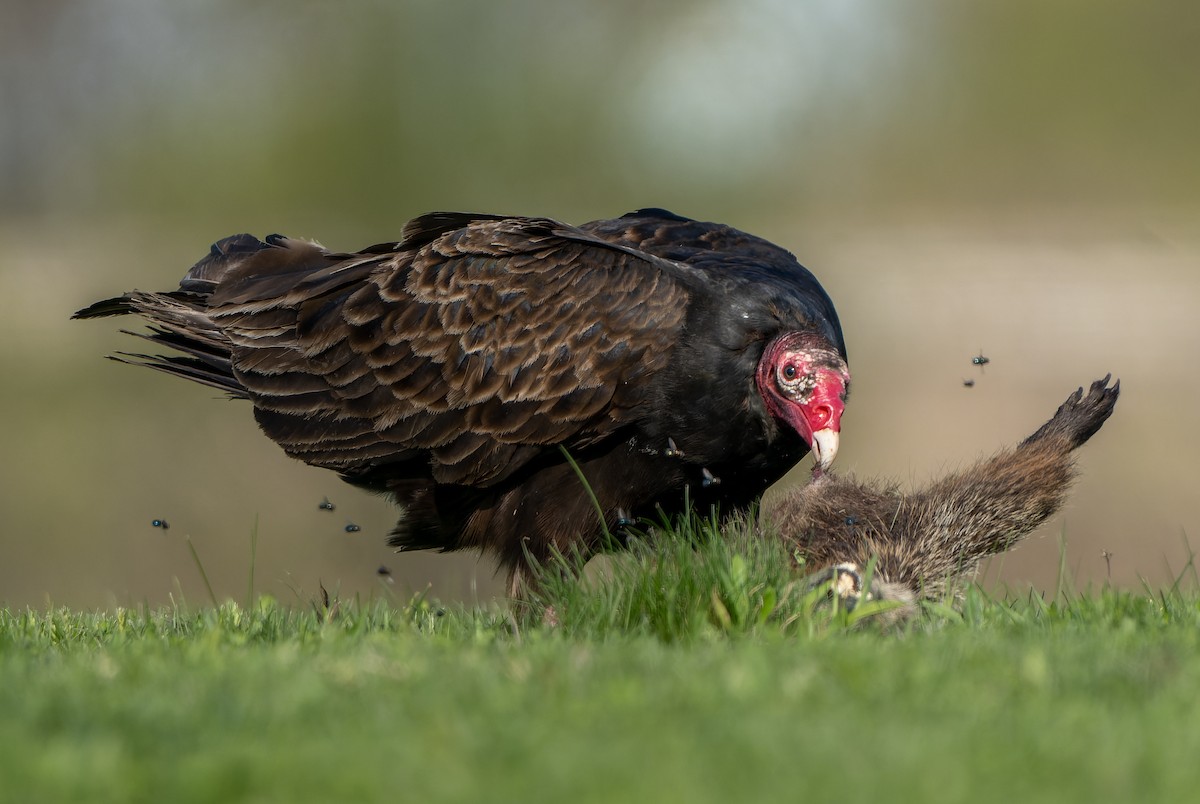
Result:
<point x="1014" y="177"/>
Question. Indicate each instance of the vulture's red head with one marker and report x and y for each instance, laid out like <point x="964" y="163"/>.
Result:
<point x="803" y="382"/>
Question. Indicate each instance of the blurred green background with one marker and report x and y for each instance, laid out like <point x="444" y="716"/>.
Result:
<point x="1012" y="176"/>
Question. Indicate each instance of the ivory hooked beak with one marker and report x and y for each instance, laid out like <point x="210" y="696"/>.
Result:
<point x="824" y="447"/>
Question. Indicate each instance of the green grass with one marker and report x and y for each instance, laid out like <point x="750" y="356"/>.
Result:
<point x="695" y="670"/>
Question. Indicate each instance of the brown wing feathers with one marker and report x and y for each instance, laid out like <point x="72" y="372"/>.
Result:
<point x="484" y="341"/>
<point x="446" y="369"/>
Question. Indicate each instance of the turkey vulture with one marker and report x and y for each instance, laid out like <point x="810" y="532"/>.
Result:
<point x="464" y="369"/>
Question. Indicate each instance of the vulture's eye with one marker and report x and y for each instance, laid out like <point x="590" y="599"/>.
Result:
<point x="789" y="372"/>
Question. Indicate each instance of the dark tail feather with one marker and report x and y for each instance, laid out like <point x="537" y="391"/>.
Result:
<point x="207" y="363"/>
<point x="197" y="284"/>
<point x="177" y="325"/>
<point x="186" y="367"/>
<point x="213" y="354"/>
<point x="115" y="306"/>
<point x="179" y="319"/>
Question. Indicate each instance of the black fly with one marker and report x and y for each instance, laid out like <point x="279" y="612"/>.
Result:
<point x="325" y="505"/>
<point x="623" y="518"/>
<point x="160" y="523"/>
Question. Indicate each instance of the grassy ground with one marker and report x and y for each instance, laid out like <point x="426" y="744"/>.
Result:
<point x="684" y="674"/>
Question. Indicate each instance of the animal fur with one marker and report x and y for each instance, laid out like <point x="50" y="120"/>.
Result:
<point x="925" y="541"/>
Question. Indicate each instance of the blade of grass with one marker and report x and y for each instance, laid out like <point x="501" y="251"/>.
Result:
<point x="253" y="555"/>
<point x="200" y="566"/>
<point x="587" y="487"/>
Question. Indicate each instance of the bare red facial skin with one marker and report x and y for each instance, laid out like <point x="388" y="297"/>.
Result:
<point x="803" y="383"/>
<point x="826" y="403"/>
